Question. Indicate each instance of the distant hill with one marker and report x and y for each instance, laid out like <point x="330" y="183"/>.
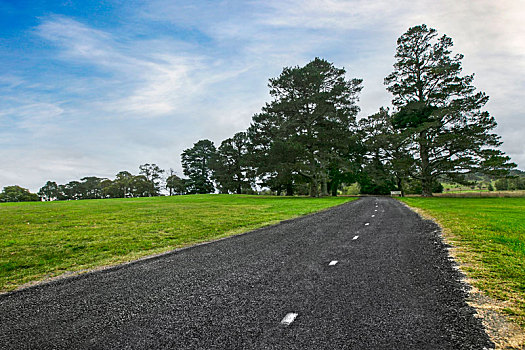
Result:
<point x="517" y="172"/>
<point x="486" y="178"/>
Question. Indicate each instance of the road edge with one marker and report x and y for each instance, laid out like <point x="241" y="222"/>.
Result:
<point x="505" y="334"/>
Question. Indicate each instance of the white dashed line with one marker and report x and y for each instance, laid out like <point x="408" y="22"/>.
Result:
<point x="375" y="209"/>
<point x="367" y="224"/>
<point x="332" y="263"/>
<point x="289" y="318"/>
<point x="355" y="237"/>
<point x="373" y="216"/>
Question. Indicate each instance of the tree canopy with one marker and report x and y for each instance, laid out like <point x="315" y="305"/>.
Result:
<point x="308" y="124"/>
<point x="230" y="166"/>
<point x="440" y="112"/>
<point x="196" y="162"/>
<point x="17" y="194"/>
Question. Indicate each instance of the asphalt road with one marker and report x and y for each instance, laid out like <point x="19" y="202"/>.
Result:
<point x="393" y="287"/>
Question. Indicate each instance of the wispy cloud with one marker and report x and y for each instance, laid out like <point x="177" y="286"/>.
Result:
<point x="145" y="81"/>
<point x="332" y="14"/>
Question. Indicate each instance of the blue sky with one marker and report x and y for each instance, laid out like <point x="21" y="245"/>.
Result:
<point x="95" y="87"/>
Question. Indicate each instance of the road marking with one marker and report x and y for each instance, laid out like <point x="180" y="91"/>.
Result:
<point x="373" y="216"/>
<point x="375" y="209"/>
<point x="355" y="237"/>
<point x="332" y="263"/>
<point x="367" y="224"/>
<point x="289" y="318"/>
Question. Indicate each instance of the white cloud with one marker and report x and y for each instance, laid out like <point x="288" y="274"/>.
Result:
<point x="331" y="14"/>
<point x="156" y="77"/>
<point x="151" y="83"/>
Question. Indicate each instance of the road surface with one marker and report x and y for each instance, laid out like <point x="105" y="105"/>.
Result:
<point x="369" y="274"/>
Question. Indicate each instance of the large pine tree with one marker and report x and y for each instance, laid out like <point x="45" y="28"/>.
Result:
<point x="196" y="164"/>
<point x="441" y="111"/>
<point x="230" y="166"/>
<point x="308" y="123"/>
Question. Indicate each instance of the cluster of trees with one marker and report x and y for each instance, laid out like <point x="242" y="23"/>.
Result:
<point x="17" y="194"/>
<point x="308" y="134"/>
<point x="510" y="184"/>
<point x="307" y="139"/>
<point x="125" y="184"/>
<point x="148" y="183"/>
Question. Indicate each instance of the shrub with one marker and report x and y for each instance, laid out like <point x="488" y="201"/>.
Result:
<point x="17" y="194"/>
<point x="502" y="184"/>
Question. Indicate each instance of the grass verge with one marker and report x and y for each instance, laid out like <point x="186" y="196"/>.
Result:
<point x="489" y="239"/>
<point x="46" y="239"/>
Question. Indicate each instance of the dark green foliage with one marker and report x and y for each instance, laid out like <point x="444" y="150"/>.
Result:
<point x="412" y="115"/>
<point x="440" y="112"/>
<point x="510" y="184"/>
<point x="387" y="161"/>
<point x="128" y="185"/>
<point x="141" y="186"/>
<point x="87" y="188"/>
<point x="230" y="165"/>
<point x="272" y="159"/>
<point x="92" y="187"/>
<point x="307" y="127"/>
<point x="176" y="185"/>
<point x="502" y="184"/>
<point x="49" y="191"/>
<point x="121" y="187"/>
<point x="339" y="174"/>
<point x="437" y="187"/>
<point x="153" y="175"/>
<point x="517" y="183"/>
<point x="17" y="194"/>
<point x="70" y="191"/>
<point x="414" y="187"/>
<point x="376" y="186"/>
<point x="196" y="162"/>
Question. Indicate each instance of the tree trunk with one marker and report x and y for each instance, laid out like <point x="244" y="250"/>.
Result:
<point x="239" y="189"/>
<point x="324" y="188"/>
<point x="289" y="189"/>
<point x="426" y="187"/>
<point x="426" y="176"/>
<point x="400" y="186"/>
<point x="314" y="191"/>
<point x="333" y="188"/>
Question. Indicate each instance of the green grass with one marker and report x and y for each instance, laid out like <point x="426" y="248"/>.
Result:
<point x="489" y="234"/>
<point x="45" y="239"/>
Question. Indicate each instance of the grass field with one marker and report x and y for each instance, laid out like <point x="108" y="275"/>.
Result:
<point x="489" y="234"/>
<point x="39" y="240"/>
<point x="483" y="193"/>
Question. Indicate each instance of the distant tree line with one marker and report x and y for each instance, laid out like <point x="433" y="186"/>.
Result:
<point x="307" y="139"/>
<point x="17" y="194"/>
<point x="125" y="185"/>
<point x="148" y="183"/>
<point x="510" y="184"/>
